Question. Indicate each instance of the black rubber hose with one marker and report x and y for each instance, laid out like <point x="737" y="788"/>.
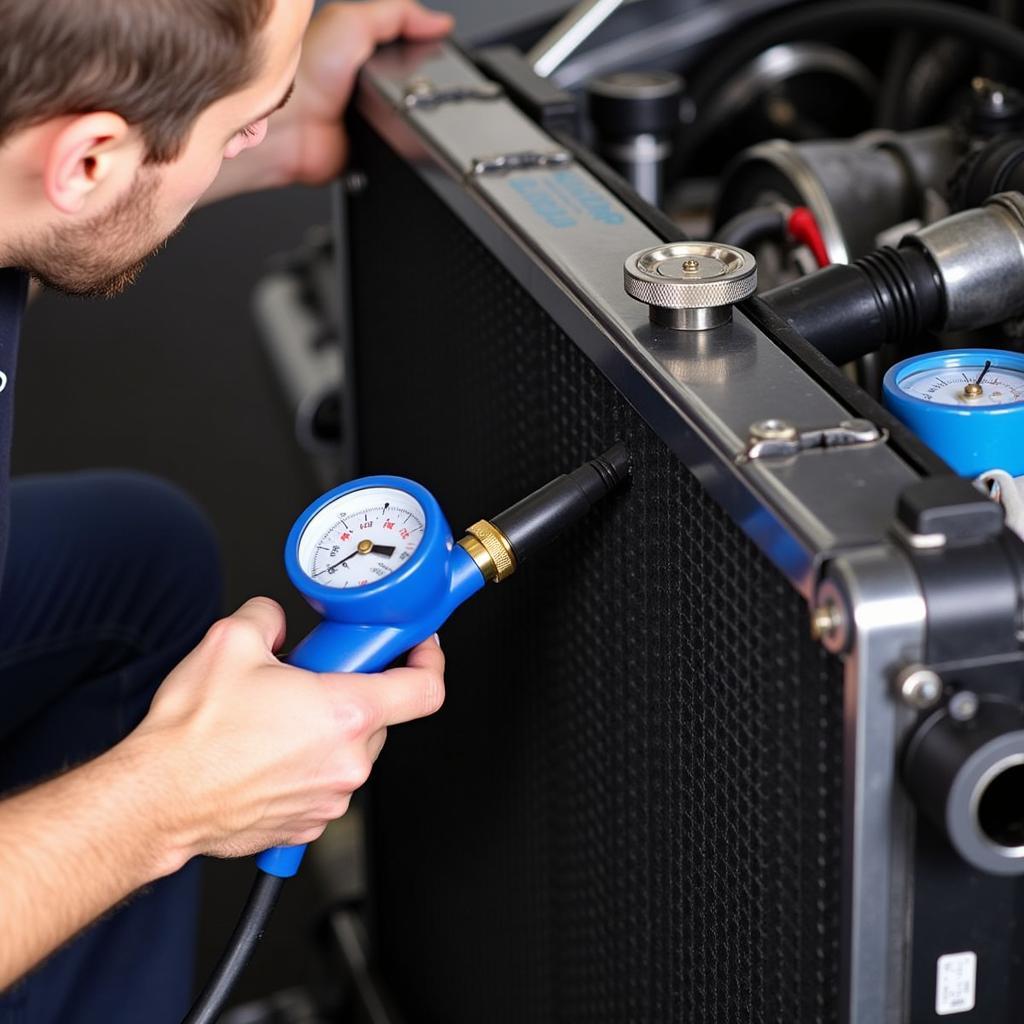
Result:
<point x="846" y="16"/>
<point x="997" y="167"/>
<point x="1007" y="11"/>
<point x="540" y="517"/>
<point x="904" y="52"/>
<point x="249" y="930"/>
<point x="846" y="311"/>
<point x="932" y="80"/>
<point x="752" y="226"/>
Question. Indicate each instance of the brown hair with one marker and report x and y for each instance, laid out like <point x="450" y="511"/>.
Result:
<point x="157" y="63"/>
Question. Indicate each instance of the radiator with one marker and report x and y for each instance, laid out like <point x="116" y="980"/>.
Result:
<point x="640" y="802"/>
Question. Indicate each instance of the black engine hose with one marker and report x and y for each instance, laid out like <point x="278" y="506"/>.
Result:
<point x="751" y="226"/>
<point x="249" y="930"/>
<point x="902" y="55"/>
<point x="849" y="310"/>
<point x="998" y="166"/>
<point x="983" y="30"/>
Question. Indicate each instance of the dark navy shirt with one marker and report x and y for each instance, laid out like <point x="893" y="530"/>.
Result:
<point x="13" y="290"/>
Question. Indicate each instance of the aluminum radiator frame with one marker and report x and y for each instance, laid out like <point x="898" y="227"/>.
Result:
<point x="823" y="516"/>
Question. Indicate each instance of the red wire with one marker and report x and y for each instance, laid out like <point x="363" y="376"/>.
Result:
<point x="802" y="227"/>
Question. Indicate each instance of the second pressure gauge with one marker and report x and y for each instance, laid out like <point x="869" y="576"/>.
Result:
<point x="965" y="404"/>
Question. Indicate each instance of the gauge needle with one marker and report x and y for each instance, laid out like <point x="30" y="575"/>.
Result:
<point x="341" y="561"/>
<point x="364" y="548"/>
<point x="974" y="388"/>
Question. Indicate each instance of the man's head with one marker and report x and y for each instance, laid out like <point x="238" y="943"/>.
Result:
<point x="115" y="116"/>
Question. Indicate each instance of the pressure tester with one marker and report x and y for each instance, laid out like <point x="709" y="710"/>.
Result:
<point x="965" y="404"/>
<point x="376" y="558"/>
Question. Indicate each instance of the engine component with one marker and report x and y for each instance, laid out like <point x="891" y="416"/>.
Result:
<point x="635" y="115"/>
<point x="691" y="286"/>
<point x="995" y="109"/>
<point x="998" y="166"/>
<point x="971" y="251"/>
<point x="991" y="34"/>
<point x="856" y="189"/>
<point x="965" y="768"/>
<point x="795" y="90"/>
<point x="940" y="278"/>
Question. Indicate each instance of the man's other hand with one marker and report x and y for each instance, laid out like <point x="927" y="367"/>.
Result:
<point x="339" y="41"/>
<point x="305" y="141"/>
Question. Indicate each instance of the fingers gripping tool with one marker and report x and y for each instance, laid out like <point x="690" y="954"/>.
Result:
<point x="376" y="558"/>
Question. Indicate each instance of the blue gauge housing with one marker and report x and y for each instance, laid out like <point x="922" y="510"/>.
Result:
<point x="366" y="628"/>
<point x="971" y="439"/>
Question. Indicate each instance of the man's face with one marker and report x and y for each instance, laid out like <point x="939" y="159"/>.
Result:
<point x="101" y="254"/>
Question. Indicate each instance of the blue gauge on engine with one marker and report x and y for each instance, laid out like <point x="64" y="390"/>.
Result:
<point x="965" y="404"/>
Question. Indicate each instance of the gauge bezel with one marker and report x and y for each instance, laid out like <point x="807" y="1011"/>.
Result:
<point x="951" y="360"/>
<point x="400" y="593"/>
<point x="310" y="537"/>
<point x="971" y="439"/>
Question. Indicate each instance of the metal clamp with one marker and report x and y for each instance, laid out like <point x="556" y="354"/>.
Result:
<point x="778" y="439"/>
<point x="422" y="94"/>
<point x="527" y="160"/>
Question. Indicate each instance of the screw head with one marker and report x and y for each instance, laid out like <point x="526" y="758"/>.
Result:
<point x="354" y="182"/>
<point x="773" y="430"/>
<point x="690" y="266"/>
<point x="919" y="687"/>
<point x="824" y="621"/>
<point x="831" y="625"/>
<point x="963" y="705"/>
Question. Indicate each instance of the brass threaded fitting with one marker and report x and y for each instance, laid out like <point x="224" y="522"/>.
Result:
<point x="487" y="546"/>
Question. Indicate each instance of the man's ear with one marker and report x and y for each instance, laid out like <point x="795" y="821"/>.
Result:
<point x="89" y="152"/>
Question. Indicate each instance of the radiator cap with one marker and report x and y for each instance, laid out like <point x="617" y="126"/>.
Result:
<point x="691" y="286"/>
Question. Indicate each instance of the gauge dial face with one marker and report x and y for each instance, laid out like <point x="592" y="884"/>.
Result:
<point x="361" y="537"/>
<point x="967" y="387"/>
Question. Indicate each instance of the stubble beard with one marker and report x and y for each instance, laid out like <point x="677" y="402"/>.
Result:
<point x="103" y="256"/>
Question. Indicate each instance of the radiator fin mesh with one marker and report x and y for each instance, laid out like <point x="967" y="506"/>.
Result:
<point x="629" y="809"/>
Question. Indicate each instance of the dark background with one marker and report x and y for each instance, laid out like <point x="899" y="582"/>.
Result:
<point x="170" y="378"/>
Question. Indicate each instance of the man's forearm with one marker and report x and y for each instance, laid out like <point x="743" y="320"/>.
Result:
<point x="73" y="848"/>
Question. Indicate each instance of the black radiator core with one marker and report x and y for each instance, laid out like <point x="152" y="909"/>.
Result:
<point x="629" y="809"/>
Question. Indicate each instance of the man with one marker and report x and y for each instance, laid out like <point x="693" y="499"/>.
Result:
<point x="116" y="117"/>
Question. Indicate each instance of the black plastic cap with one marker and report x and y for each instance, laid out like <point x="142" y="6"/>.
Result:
<point x="612" y="467"/>
<point x="951" y="506"/>
<point x="635" y="103"/>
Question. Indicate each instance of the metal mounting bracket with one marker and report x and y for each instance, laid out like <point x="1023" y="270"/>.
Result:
<point x="779" y="439"/>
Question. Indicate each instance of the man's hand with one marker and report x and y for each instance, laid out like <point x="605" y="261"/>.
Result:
<point x="306" y="141"/>
<point x="339" y="41"/>
<point x="252" y="753"/>
<point x="238" y="752"/>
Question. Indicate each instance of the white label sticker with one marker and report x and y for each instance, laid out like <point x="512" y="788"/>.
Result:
<point x="954" y="983"/>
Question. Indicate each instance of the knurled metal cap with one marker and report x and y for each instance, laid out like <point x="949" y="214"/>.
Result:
<point x="691" y="275"/>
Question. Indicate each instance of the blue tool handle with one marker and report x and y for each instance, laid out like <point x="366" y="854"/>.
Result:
<point x="344" y="647"/>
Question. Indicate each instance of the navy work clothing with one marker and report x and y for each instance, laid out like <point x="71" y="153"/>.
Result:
<point x="111" y="578"/>
<point x="13" y="289"/>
